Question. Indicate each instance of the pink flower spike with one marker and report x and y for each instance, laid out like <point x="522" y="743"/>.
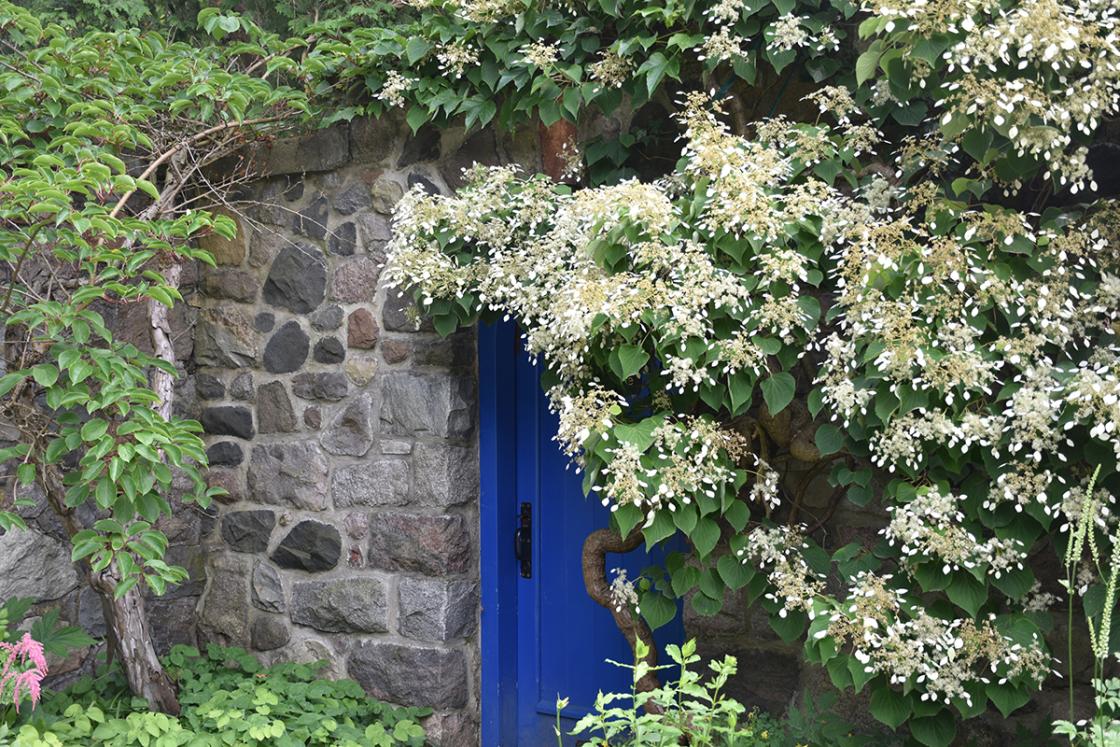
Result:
<point x="24" y="668"/>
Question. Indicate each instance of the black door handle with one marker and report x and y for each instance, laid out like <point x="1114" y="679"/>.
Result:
<point x="523" y="540"/>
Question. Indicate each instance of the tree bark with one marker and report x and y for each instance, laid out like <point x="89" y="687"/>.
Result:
<point x="132" y="639"/>
<point x="163" y="383"/>
<point x="129" y="637"/>
<point x="633" y="626"/>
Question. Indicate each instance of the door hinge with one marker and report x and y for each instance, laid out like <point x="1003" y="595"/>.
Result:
<point x="523" y="540"/>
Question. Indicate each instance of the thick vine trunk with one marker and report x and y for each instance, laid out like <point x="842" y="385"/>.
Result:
<point x="129" y="638"/>
<point x="163" y="383"/>
<point x="128" y="623"/>
<point x="633" y="626"/>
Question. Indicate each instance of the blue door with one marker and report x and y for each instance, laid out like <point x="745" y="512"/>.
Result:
<point x="543" y="637"/>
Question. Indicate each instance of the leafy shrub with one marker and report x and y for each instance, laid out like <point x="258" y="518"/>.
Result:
<point x="228" y="697"/>
<point x="689" y="706"/>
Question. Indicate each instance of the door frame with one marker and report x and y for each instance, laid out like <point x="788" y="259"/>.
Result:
<point x="497" y="449"/>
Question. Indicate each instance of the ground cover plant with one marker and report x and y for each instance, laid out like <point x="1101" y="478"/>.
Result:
<point x="227" y="697"/>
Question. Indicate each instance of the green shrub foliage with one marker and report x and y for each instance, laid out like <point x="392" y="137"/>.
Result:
<point x="228" y="697"/>
<point x="910" y="286"/>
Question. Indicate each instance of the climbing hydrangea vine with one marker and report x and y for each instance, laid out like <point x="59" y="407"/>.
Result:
<point x="915" y="289"/>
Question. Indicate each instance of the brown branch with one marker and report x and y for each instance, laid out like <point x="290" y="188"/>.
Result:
<point x="19" y="266"/>
<point x="170" y="152"/>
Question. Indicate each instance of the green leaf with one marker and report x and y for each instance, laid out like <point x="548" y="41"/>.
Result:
<point x="684" y="580"/>
<point x="934" y="731"/>
<point x="25" y="473"/>
<point x="632" y="358"/>
<point x="415" y="49"/>
<point x="889" y="706"/>
<point x="445" y="324"/>
<point x="737" y="515"/>
<point x="967" y="593"/>
<point x="685" y="518"/>
<point x="626" y="518"/>
<point x="94" y="429"/>
<point x="705" y="605"/>
<point x="45" y="374"/>
<point x="416" y="117"/>
<point x="778" y="391"/>
<point x="735" y="574"/>
<point x="790" y="627"/>
<point x="656" y="608"/>
<point x="829" y="439"/>
<point x="1007" y="698"/>
<point x="661" y="528"/>
<point x="125" y="586"/>
<point x="1015" y="582"/>
<point x="866" y="65"/>
<point x="741" y="387"/>
<point x="705" y="536"/>
<point x="9" y="381"/>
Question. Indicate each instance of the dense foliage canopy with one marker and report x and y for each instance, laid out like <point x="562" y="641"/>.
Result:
<point x="903" y="287"/>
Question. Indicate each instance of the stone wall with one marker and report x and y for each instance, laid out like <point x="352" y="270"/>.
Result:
<point x="345" y="436"/>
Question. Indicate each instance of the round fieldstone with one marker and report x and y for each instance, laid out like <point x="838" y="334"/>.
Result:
<point x="311" y="546"/>
<point x="343" y="240"/>
<point x="352" y="199"/>
<point x="242" y="387"/>
<point x="329" y="350"/>
<point x="228" y="421"/>
<point x="209" y="387"/>
<point x="313" y="418"/>
<point x="385" y="193"/>
<point x="328" y="386"/>
<point x="297" y="280"/>
<point x="289" y="474"/>
<point x="327" y="319"/>
<point x="287" y="349"/>
<point x="355" y="280"/>
<point x="312" y="220"/>
<point x="264" y="322"/>
<point x="268" y="632"/>
<point x="225" y="454"/>
<point x="352" y="431"/>
<point x="361" y="330"/>
<point x="395" y="351"/>
<point x="274" y="409"/>
<point x="248" y="531"/>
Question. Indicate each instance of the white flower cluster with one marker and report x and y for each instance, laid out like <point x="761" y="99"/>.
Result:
<point x="892" y="636"/>
<point x="582" y="414"/>
<point x="795" y="586"/>
<point x="456" y="58"/>
<point x="932" y="526"/>
<point x="765" y="489"/>
<point x="622" y="591"/>
<point x="540" y="54"/>
<point x="393" y="89"/>
<point x="612" y="70"/>
<point x="788" y="32"/>
<point x="1040" y="71"/>
<point x="689" y="457"/>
